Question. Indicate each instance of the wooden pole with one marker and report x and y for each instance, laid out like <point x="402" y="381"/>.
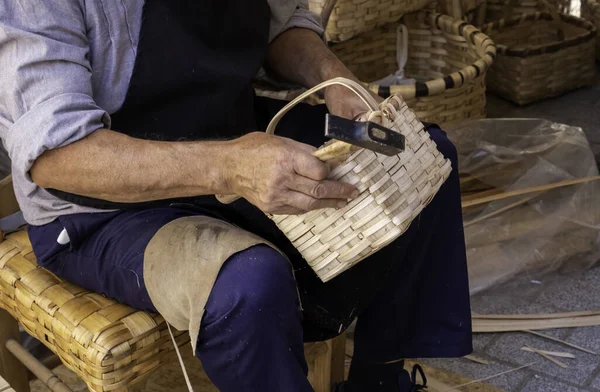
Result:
<point x="11" y="369"/>
<point x="45" y="375"/>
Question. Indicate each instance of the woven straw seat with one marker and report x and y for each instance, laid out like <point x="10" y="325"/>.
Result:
<point x="109" y="345"/>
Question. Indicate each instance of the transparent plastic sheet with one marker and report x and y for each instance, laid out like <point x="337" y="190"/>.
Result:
<point x="533" y="233"/>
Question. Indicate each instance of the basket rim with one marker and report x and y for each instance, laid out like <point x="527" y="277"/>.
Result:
<point x="536" y="50"/>
<point x="485" y="47"/>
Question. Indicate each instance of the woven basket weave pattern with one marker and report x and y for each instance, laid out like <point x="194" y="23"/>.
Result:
<point x="533" y="64"/>
<point x="109" y="345"/>
<point x="394" y="190"/>
<point x="352" y="17"/>
<point x="590" y="10"/>
<point x="451" y="58"/>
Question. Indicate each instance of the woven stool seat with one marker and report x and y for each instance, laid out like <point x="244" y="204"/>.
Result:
<point x="109" y="345"/>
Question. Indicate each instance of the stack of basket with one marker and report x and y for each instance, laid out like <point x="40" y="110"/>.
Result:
<point x="541" y="54"/>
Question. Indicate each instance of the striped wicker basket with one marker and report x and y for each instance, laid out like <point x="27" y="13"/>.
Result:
<point x="447" y="57"/>
<point x="347" y="18"/>
<point x="590" y="10"/>
<point x="541" y="55"/>
<point x="393" y="191"/>
<point x="506" y="9"/>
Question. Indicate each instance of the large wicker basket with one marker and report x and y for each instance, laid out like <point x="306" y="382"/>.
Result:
<point x="446" y="56"/>
<point x="347" y="18"/>
<point x="590" y="10"/>
<point x="541" y="55"/>
<point x="393" y="191"/>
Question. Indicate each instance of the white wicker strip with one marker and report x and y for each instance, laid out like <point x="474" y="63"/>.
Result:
<point x="394" y="190"/>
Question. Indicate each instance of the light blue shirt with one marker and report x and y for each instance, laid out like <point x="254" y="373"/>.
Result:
<point x="65" y="67"/>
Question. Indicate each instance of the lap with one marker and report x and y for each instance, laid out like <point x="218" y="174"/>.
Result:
<point x="106" y="251"/>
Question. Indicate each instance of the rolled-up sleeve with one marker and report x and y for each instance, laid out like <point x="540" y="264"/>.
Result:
<point x="287" y="14"/>
<point x="45" y="80"/>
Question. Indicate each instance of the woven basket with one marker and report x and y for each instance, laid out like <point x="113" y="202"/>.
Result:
<point x="447" y="57"/>
<point x="507" y="9"/>
<point x="541" y="55"/>
<point x="393" y="191"/>
<point x="590" y="10"/>
<point x="347" y="18"/>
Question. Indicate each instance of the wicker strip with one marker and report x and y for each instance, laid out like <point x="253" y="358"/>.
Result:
<point x="347" y="18"/>
<point x="590" y="10"/>
<point x="394" y="190"/>
<point x="533" y="61"/>
<point x="109" y="345"/>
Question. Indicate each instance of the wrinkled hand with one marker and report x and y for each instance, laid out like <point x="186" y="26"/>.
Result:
<point x="344" y="103"/>
<point x="280" y="176"/>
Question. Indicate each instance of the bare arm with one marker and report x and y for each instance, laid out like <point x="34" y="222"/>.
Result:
<point x="112" y="166"/>
<point x="300" y="56"/>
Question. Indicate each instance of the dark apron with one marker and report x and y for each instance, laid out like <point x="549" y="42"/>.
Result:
<point x="192" y="81"/>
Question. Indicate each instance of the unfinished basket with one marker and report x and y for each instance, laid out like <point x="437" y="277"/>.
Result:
<point x="109" y="345"/>
<point x="393" y="191"/>
<point x="507" y="9"/>
<point x="446" y="56"/>
<point x="541" y="55"/>
<point x="590" y="10"/>
<point x="347" y="18"/>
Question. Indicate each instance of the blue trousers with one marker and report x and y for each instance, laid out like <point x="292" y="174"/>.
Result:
<point x="253" y="330"/>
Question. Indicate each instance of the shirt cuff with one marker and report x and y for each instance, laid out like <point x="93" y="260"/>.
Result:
<point x="305" y="19"/>
<point x="54" y="123"/>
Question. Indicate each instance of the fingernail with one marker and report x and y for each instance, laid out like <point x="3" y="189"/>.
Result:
<point x="341" y="204"/>
<point x="355" y="194"/>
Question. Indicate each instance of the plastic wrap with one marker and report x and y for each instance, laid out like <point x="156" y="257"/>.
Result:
<point x="534" y="232"/>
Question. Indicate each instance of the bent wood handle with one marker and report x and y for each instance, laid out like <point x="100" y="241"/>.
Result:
<point x="328" y="153"/>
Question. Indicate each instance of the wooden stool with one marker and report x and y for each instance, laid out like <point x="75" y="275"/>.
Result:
<point x="110" y="346"/>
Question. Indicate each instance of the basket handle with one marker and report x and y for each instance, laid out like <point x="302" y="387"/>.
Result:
<point x="326" y="12"/>
<point x="560" y="34"/>
<point x="370" y="102"/>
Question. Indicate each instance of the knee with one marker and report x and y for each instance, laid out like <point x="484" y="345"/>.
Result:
<point x="255" y="283"/>
<point x="444" y="145"/>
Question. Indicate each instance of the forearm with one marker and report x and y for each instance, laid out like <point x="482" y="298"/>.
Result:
<point x="300" y="56"/>
<point x="111" y="166"/>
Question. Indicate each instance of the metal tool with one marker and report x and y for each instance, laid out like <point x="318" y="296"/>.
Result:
<point x="350" y="135"/>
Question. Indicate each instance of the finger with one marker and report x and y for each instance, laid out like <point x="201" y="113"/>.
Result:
<point x="306" y="165"/>
<point x="305" y="203"/>
<point x="323" y="189"/>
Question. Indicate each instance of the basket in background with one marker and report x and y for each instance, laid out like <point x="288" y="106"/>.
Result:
<point x="590" y="11"/>
<point x="347" y="18"/>
<point x="446" y="56"/>
<point x="541" y="55"/>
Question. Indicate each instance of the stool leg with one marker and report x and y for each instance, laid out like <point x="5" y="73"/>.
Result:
<point x="11" y="369"/>
<point x="326" y="363"/>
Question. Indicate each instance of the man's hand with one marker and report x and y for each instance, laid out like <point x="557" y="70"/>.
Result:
<point x="280" y="176"/>
<point x="344" y="103"/>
